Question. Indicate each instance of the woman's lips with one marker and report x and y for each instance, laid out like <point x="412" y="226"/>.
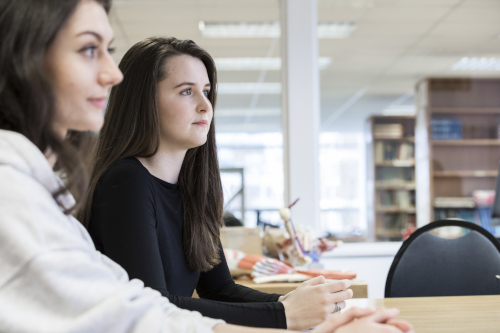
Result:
<point x="98" y="102"/>
<point x="201" y="123"/>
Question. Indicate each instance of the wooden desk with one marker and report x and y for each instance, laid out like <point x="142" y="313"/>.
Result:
<point x="467" y="314"/>
<point x="359" y="288"/>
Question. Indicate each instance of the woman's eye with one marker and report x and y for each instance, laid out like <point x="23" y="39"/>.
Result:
<point x="89" y="51"/>
<point x="206" y="92"/>
<point x="186" y="92"/>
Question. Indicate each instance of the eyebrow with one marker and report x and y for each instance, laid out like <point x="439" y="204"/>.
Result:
<point x="189" y="84"/>
<point x="95" y="34"/>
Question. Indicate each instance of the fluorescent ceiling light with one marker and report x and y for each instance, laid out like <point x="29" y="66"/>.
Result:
<point x="400" y="110"/>
<point x="249" y="88"/>
<point x="242" y="64"/>
<point x="477" y="64"/>
<point x="243" y="112"/>
<point x="240" y="29"/>
<point x="269" y="29"/>
<point x="335" y="30"/>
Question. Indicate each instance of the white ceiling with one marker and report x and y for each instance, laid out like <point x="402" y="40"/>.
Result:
<point x="396" y="43"/>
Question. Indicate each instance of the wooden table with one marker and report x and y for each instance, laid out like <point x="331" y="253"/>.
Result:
<point x="359" y="288"/>
<point x="467" y="314"/>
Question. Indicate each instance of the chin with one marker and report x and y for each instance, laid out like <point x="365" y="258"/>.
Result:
<point x="198" y="143"/>
<point x="202" y="142"/>
<point x="92" y="125"/>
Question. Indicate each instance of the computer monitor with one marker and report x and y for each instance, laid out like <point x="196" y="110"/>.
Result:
<point x="495" y="209"/>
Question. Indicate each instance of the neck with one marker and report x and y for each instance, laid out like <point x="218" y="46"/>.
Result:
<point x="165" y="164"/>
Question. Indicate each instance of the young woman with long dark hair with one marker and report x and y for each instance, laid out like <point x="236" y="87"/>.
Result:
<point x="55" y="74"/>
<point x="155" y="199"/>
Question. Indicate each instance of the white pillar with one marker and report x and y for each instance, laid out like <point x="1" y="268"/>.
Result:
<point x="301" y="109"/>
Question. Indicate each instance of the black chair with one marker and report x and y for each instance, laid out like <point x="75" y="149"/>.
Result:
<point x="427" y="265"/>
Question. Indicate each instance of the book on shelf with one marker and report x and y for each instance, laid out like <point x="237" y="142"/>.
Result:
<point x="396" y="199"/>
<point x="395" y="210"/>
<point x="389" y="151"/>
<point x="480" y="131"/>
<point x="388" y="175"/>
<point x="461" y="213"/>
<point x="390" y="234"/>
<point x="446" y="129"/>
<point x="382" y="185"/>
<point x="454" y="202"/>
<point x="392" y="225"/>
<point x="480" y="216"/>
<point x="394" y="131"/>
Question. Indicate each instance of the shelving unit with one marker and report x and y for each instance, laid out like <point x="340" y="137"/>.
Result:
<point x="391" y="172"/>
<point x="465" y="142"/>
<point x="469" y="111"/>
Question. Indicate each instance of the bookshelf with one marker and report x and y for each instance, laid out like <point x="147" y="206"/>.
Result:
<point x="392" y="173"/>
<point x="457" y="147"/>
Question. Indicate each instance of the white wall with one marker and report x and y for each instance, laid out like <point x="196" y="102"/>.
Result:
<point x="371" y="262"/>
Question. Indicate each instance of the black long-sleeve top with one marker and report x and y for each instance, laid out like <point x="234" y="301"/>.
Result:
<point x="137" y="221"/>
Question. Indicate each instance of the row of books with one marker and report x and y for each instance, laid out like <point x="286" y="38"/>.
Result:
<point x="388" y="151"/>
<point x="392" y="225"/>
<point x="446" y="129"/>
<point x="388" y="175"/>
<point x="453" y="129"/>
<point x="401" y="199"/>
<point x="454" y="202"/>
<point x="480" y="198"/>
<point x="481" y="131"/>
<point x="394" y="131"/>
<point x="479" y="216"/>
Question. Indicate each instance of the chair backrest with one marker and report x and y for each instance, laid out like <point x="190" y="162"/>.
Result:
<point x="427" y="265"/>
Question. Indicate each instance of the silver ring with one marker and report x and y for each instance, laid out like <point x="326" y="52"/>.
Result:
<point x="337" y="308"/>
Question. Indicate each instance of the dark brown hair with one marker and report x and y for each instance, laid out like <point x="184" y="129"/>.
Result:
<point x="27" y="101"/>
<point x="131" y="128"/>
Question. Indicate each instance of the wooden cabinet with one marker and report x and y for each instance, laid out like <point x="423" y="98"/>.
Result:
<point x="457" y="145"/>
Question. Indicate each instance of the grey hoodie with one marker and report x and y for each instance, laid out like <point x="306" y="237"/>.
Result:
<point x="51" y="277"/>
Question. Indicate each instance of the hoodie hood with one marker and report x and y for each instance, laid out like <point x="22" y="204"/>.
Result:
<point x="18" y="152"/>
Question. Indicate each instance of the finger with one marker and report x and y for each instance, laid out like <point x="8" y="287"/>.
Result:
<point x="401" y="324"/>
<point x="342" y="304"/>
<point x="355" y="313"/>
<point x="336" y="286"/>
<point x="314" y="281"/>
<point x="333" y="322"/>
<point x="384" y="328"/>
<point x="382" y="315"/>
<point x="333" y="308"/>
<point x="340" y="296"/>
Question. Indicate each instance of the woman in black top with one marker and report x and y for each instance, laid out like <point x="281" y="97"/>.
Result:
<point x="155" y="199"/>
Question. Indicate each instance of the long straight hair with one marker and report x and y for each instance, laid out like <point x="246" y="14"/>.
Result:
<point x="27" y="98"/>
<point x="131" y="128"/>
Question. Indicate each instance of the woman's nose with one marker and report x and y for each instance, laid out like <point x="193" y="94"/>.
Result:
<point x="110" y="74"/>
<point x="204" y="105"/>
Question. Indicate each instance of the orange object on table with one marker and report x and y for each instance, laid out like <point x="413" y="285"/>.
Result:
<point x="328" y="274"/>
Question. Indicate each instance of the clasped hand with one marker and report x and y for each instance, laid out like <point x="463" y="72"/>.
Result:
<point x="358" y="320"/>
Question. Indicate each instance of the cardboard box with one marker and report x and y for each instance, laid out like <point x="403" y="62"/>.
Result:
<point x="240" y="238"/>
